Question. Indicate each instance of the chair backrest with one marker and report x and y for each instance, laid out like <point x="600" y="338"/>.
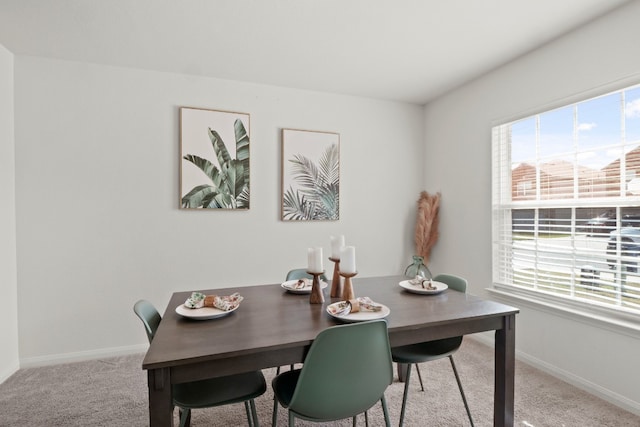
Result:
<point x="454" y="282"/>
<point x="459" y="284"/>
<point x="346" y="371"/>
<point x="301" y="273"/>
<point x="149" y="316"/>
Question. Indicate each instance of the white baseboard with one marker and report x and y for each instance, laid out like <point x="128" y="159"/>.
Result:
<point x="55" y="359"/>
<point x="579" y="382"/>
<point x="4" y="375"/>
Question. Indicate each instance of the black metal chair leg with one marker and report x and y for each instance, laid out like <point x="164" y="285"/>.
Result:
<point x="385" y="411"/>
<point x="464" y="399"/>
<point x="406" y="392"/>
<point x="254" y="414"/>
<point x="248" y="411"/>
<point x="274" y="418"/>
<point x="419" y="376"/>
<point x="185" y="417"/>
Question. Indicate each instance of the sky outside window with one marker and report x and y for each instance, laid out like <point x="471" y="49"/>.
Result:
<point x="632" y="115"/>
<point x="556" y="134"/>
<point x="598" y="129"/>
<point x="523" y="141"/>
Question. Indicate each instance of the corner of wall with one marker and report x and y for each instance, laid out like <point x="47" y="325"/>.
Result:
<point x="9" y="357"/>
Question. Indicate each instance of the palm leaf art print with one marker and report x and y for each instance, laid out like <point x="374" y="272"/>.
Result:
<point x="314" y="192"/>
<point x="228" y="178"/>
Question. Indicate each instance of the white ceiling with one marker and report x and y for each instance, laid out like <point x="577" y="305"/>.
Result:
<point x="405" y="50"/>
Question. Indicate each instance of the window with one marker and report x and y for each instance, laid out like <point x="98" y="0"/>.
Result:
<point x="566" y="205"/>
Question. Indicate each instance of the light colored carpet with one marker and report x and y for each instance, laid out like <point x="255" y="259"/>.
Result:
<point x="113" y="392"/>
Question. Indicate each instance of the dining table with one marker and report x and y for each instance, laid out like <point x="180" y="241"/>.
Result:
<point x="274" y="327"/>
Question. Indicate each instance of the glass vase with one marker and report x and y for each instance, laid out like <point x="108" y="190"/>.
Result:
<point x="417" y="268"/>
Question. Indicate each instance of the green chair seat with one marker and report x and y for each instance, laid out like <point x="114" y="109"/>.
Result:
<point x="412" y="355"/>
<point x="223" y="390"/>
<point x="210" y="392"/>
<point x="284" y="385"/>
<point x="426" y="351"/>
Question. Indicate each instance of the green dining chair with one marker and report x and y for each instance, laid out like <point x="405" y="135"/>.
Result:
<point x="210" y="392"/>
<point x="414" y="354"/>
<point x="346" y="372"/>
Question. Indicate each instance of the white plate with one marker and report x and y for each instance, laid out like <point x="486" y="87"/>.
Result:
<point x="288" y="286"/>
<point x="203" y="313"/>
<point x="418" y="289"/>
<point x="360" y="316"/>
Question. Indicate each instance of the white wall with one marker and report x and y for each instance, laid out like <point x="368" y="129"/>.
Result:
<point x="458" y="150"/>
<point x="98" y="224"/>
<point x="8" y="280"/>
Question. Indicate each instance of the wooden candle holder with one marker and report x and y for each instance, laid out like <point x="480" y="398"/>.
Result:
<point x="347" y="290"/>
<point x="316" y="297"/>
<point x="336" y="282"/>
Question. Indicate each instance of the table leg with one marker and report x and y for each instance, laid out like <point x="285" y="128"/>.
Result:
<point x="402" y="371"/>
<point x="505" y="356"/>
<point x="160" y="399"/>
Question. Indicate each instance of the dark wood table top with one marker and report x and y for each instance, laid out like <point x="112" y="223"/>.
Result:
<point x="270" y="319"/>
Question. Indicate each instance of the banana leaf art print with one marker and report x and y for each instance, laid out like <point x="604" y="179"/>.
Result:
<point x="310" y="175"/>
<point x="214" y="159"/>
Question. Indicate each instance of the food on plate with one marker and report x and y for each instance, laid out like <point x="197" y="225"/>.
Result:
<point x="301" y="283"/>
<point x="429" y="285"/>
<point x="367" y="305"/>
<point x="224" y="303"/>
<point x="343" y="308"/>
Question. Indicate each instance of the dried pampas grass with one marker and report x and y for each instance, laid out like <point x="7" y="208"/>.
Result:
<point x="427" y="224"/>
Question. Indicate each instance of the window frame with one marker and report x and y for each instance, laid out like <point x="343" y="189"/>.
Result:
<point x="619" y="316"/>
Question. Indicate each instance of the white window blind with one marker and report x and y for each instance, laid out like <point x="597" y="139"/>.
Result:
<point x="566" y="203"/>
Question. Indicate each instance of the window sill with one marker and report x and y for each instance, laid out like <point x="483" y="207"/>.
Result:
<point x="601" y="317"/>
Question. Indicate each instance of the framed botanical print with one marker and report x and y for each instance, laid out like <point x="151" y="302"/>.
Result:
<point x="214" y="159"/>
<point x="310" y="175"/>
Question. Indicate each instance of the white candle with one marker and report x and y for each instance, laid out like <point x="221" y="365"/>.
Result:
<point x="314" y="260"/>
<point x="337" y="243"/>
<point x="348" y="260"/>
<point x="319" y="261"/>
<point x="310" y="259"/>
